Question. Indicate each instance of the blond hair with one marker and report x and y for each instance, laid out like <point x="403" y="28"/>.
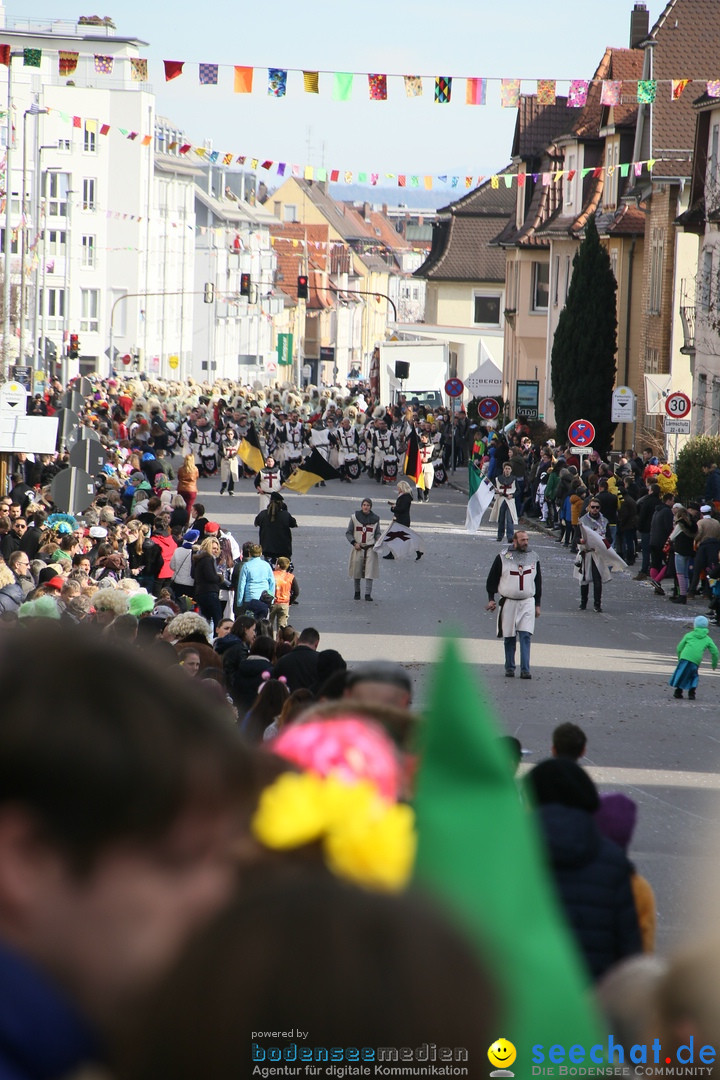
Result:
<point x="6" y="575"/>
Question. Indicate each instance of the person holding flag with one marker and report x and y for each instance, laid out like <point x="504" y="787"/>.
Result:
<point x="228" y="460"/>
<point x="363" y="532"/>
<point x="399" y="541"/>
<point x="249" y="450"/>
<point x="413" y="466"/>
<point x="504" y="511"/>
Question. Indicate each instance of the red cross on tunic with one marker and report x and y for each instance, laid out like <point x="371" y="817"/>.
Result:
<point x="521" y="573"/>
<point x="366" y="531"/>
<point x="270" y="477"/>
<point x="505" y="491"/>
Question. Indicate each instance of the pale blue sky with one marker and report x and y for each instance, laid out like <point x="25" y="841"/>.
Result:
<point x="482" y="38"/>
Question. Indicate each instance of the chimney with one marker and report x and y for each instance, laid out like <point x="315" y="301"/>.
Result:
<point x="639" y="25"/>
<point x="366" y="211"/>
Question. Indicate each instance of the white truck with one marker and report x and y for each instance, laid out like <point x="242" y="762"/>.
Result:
<point x="417" y="369"/>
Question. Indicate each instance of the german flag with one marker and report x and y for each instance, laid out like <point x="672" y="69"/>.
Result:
<point x="249" y="451"/>
<point x="413" y="462"/>
<point x="314" y="469"/>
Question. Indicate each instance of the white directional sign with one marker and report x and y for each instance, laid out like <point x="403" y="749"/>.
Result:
<point x="623" y="405"/>
<point x="13" y="396"/>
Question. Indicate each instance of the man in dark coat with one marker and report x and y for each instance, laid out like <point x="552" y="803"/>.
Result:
<point x="646" y="508"/>
<point x="274" y="525"/>
<point x="299" y="666"/>
<point x="591" y="873"/>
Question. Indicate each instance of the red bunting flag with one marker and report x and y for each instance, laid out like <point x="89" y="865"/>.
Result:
<point x="173" y="68"/>
<point x="104" y="129"/>
<point x="5" y="55"/>
<point x="335" y="175"/>
<point x="185" y="147"/>
<point x="77" y="122"/>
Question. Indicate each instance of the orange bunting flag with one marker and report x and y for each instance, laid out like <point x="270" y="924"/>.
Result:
<point x="243" y="83"/>
<point x="678" y="85"/>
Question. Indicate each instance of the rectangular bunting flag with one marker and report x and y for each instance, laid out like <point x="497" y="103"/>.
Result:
<point x="377" y="85"/>
<point x="475" y="90"/>
<point x="577" y="94"/>
<point x="67" y="62"/>
<point x="138" y="69"/>
<point x="277" y="82"/>
<point x="443" y="89"/>
<point x="713" y="88"/>
<point x="509" y="93"/>
<point x="546" y="93"/>
<point x="103" y="64"/>
<point x="243" y="81"/>
<point x="311" y="82"/>
<point x="413" y="85"/>
<point x="32" y="57"/>
<point x="610" y="93"/>
<point x="5" y="55"/>
<point x="646" y="90"/>
<point x="342" y="86"/>
<point x="208" y="74"/>
<point x="104" y="129"/>
<point x="227" y="159"/>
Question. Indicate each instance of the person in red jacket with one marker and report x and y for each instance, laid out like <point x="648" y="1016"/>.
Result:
<point x="160" y="566"/>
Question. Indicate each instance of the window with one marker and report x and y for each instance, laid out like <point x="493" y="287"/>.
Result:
<point x="14" y="241"/>
<point x="612" y="173"/>
<point x="57" y="193"/>
<point x="88" y="252"/>
<point x="705" y="280"/>
<point x="569" y="186"/>
<point x="90" y="136"/>
<point x="289" y="213"/>
<point x="54" y="303"/>
<point x="713" y="163"/>
<point x="541" y="286"/>
<point x="55" y="242"/>
<point x="88" y="193"/>
<point x="556" y="280"/>
<point x="657" y="253"/>
<point x="89" y="307"/>
<point x="567" y="275"/>
<point x="64" y="145"/>
<point x="487" y="309"/>
<point x="614" y="262"/>
<point x="652" y="365"/>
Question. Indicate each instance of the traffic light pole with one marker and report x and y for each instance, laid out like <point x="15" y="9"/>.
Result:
<point x="359" y="292"/>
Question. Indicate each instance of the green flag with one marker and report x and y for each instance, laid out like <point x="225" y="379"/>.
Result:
<point x="480" y="853"/>
<point x="342" y="86"/>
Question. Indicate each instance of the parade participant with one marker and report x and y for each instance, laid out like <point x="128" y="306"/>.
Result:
<point x="690" y="652"/>
<point x="383" y="445"/>
<point x="595" y="559"/>
<point x="267" y="481"/>
<point x="503" y="509"/>
<point x="428" y="469"/>
<point x="516" y="577"/>
<point x="404" y="539"/>
<point x="293" y="437"/>
<point x="228" y="460"/>
<point x="347" y="440"/>
<point x="363" y="532"/>
<point x="274" y="526"/>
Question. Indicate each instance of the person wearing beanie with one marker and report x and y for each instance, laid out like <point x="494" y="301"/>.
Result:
<point x="616" y="820"/>
<point x="690" y="652"/>
<point x="183" y="582"/>
<point x="592" y="874"/>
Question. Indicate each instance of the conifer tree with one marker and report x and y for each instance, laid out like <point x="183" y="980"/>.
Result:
<point x="585" y="343"/>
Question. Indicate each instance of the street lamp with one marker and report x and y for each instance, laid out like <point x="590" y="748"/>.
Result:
<point x="34" y="110"/>
<point x="38" y="189"/>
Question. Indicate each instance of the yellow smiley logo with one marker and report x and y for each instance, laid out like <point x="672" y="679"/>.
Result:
<point x="502" y="1054"/>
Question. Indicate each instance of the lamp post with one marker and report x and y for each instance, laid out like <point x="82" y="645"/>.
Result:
<point x="38" y="188"/>
<point x="8" y="217"/>
<point x="34" y="110"/>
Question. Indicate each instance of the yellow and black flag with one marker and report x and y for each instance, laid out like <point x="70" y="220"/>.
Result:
<point x="314" y="469"/>
<point x="413" y="462"/>
<point x="249" y="450"/>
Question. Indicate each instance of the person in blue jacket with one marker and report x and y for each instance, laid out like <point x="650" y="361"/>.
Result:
<point x="256" y="580"/>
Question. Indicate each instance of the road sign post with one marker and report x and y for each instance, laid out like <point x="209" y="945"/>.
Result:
<point x="581" y="433"/>
<point x="488" y="409"/>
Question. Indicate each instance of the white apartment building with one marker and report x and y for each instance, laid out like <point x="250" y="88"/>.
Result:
<point x="233" y="334"/>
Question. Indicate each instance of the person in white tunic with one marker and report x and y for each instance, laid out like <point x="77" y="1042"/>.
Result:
<point x="268" y="480"/>
<point x="363" y="532"/>
<point x="503" y="509"/>
<point x="515" y="576"/>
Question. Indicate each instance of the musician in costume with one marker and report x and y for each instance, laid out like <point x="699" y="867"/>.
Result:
<point x="426" y="449"/>
<point x="503" y="509"/>
<point x="515" y="576"/>
<point x="363" y="532"/>
<point x="293" y="437"/>
<point x="596" y="560"/>
<point x="347" y="445"/>
<point x="267" y="480"/>
<point x="383" y="446"/>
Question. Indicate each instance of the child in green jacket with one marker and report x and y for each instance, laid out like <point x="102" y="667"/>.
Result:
<point x="690" y="653"/>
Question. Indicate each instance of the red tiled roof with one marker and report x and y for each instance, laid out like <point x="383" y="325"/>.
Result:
<point x="537" y="126"/>
<point x="313" y="245"/>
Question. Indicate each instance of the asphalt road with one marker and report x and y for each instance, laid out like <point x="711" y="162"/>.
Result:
<point x="608" y="672"/>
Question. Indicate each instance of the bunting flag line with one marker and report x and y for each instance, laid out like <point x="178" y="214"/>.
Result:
<point x="611" y="91"/>
<point x="677" y="87"/>
<point x="138" y="69"/>
<point x="342" y="86"/>
<point x="243" y="80"/>
<point x="646" y="90"/>
<point x="103" y="64"/>
<point x="443" y="89"/>
<point x="510" y="93"/>
<point x="5" y="55"/>
<point x="311" y="82"/>
<point x="413" y="85"/>
<point x="577" y="94"/>
<point x="32" y="57"/>
<point x="713" y="88"/>
<point x="67" y="62"/>
<point x="173" y="69"/>
<point x="546" y="91"/>
<point x="377" y="85"/>
<point x="277" y="82"/>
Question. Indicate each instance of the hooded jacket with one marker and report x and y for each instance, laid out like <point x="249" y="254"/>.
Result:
<point x="694" y="644"/>
<point x="592" y="876"/>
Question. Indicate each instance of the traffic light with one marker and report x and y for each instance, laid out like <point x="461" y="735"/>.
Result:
<point x="209" y="295"/>
<point x="74" y="348"/>
<point x="244" y="284"/>
<point x="302" y="287"/>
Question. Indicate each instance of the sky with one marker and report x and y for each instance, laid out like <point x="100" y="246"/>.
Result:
<point x="490" y="39"/>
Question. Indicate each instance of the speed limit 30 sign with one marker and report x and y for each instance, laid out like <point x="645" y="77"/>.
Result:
<point x="677" y="405"/>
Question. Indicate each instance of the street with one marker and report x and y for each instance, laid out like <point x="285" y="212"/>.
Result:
<point x="607" y="672"/>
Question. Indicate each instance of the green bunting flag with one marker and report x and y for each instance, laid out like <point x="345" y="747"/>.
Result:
<point x="480" y="854"/>
<point x="342" y="86"/>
